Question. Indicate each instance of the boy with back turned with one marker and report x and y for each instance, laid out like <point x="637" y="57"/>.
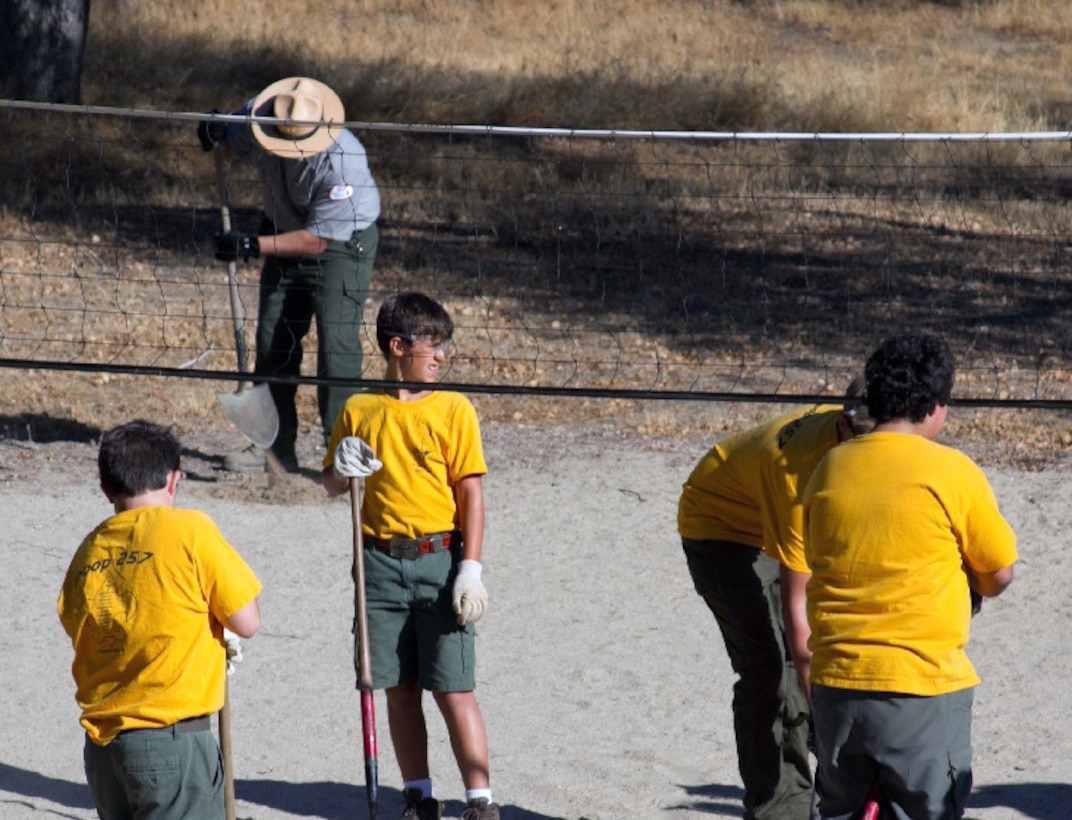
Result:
<point x="145" y="602"/>
<point x="898" y="529"/>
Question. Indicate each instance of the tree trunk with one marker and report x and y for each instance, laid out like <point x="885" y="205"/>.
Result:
<point x="42" y="43"/>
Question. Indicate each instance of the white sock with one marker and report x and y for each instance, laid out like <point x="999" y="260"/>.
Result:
<point x="424" y="786"/>
<point x="476" y="794"/>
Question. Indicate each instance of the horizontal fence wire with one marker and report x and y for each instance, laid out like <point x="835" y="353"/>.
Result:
<point x="610" y="264"/>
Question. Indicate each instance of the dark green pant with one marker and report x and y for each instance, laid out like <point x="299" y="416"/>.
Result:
<point x="770" y="714"/>
<point x="161" y="773"/>
<point x="333" y="288"/>
<point x="917" y="748"/>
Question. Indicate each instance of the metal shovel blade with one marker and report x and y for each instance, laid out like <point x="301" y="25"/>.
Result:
<point x="253" y="412"/>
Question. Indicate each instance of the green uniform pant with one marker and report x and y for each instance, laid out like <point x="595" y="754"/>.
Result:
<point x="165" y="774"/>
<point x="741" y="587"/>
<point x="333" y="288"/>
<point x="917" y="748"/>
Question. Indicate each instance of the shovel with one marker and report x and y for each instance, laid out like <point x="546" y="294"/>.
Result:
<point x="250" y="407"/>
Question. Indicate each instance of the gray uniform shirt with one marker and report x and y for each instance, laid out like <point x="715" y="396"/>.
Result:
<point x="330" y="194"/>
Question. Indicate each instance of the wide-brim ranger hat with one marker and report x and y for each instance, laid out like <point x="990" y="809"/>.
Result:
<point x="315" y="115"/>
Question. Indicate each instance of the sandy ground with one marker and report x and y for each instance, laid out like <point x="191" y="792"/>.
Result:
<point x="602" y="677"/>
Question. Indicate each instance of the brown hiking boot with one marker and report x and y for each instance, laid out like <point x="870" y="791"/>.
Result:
<point x="418" y="808"/>
<point x="250" y="460"/>
<point x="480" y="809"/>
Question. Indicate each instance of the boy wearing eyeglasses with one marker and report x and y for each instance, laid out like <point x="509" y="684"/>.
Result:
<point x="422" y="518"/>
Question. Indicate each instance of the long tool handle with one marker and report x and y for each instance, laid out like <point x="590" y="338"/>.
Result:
<point x="368" y="730"/>
<point x="871" y="807"/>
<point x="225" y="751"/>
<point x="364" y="660"/>
<point x="238" y="314"/>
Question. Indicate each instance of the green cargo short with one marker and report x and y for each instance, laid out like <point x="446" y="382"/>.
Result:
<point x="173" y="773"/>
<point x="413" y="632"/>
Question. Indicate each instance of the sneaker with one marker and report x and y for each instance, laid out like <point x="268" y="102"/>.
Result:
<point x="418" y="808"/>
<point x="480" y="809"/>
<point x="250" y="460"/>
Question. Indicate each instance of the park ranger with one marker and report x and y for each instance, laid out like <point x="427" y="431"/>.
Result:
<point x="318" y="239"/>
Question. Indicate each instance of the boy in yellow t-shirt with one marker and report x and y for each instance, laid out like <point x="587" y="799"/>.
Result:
<point x="738" y="515"/>
<point x="897" y="530"/>
<point x="423" y="526"/>
<point x="145" y="603"/>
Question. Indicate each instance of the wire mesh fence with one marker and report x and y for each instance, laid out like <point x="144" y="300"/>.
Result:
<point x="611" y="264"/>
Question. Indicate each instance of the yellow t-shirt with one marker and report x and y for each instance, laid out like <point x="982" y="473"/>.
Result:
<point x="142" y="603"/>
<point x="748" y="488"/>
<point x="890" y="521"/>
<point x="426" y="446"/>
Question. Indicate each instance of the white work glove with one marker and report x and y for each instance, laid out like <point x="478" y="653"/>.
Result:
<point x="234" y="649"/>
<point x="470" y="597"/>
<point x="355" y="459"/>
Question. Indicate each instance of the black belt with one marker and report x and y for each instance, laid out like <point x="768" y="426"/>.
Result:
<point x="411" y="548"/>
<point x="202" y="723"/>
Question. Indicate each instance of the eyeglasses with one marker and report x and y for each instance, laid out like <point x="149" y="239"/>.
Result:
<point x="443" y="347"/>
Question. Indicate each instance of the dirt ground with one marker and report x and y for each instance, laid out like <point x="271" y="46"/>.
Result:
<point x="601" y="675"/>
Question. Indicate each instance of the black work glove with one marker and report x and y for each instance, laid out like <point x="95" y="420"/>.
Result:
<point x="232" y="245"/>
<point x="211" y="132"/>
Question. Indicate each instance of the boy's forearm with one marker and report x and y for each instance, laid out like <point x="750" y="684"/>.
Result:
<point x="794" y="611"/>
<point x="991" y="584"/>
<point x="246" y="621"/>
<point x="470" y="495"/>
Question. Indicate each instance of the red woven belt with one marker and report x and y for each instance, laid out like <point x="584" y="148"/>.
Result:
<point x="411" y="548"/>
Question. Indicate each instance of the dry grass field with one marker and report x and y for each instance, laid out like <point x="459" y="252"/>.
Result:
<point x="773" y="65"/>
<point x="976" y="253"/>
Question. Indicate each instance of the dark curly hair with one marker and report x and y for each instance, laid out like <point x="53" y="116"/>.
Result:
<point x="907" y="377"/>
